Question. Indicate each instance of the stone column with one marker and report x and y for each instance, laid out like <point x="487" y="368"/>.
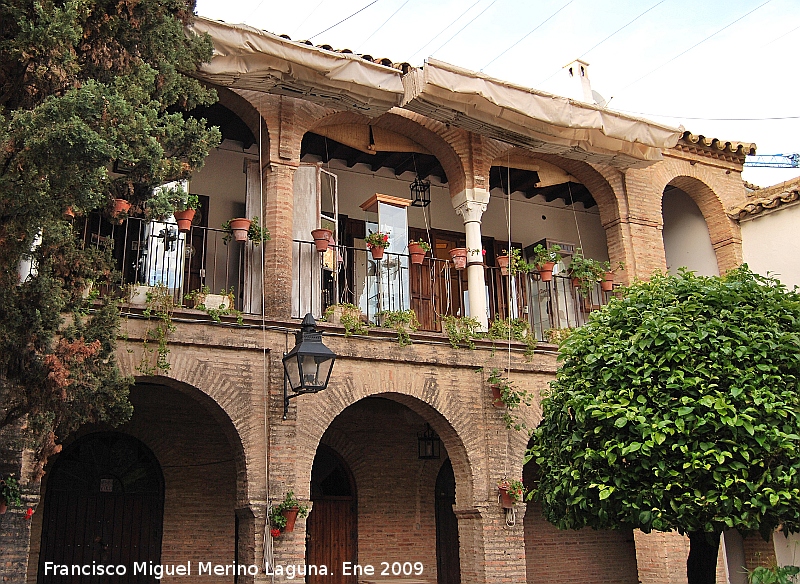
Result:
<point x="471" y="204"/>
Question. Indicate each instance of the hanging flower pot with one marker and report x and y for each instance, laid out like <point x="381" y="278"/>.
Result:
<point x="291" y="516"/>
<point x="321" y="238"/>
<point x="184" y="219"/>
<point x="3" y="506"/>
<point x="546" y="271"/>
<point x="576" y="282"/>
<point x="459" y="257"/>
<point x="377" y="252"/>
<point x="607" y="285"/>
<point x="497" y="399"/>
<point x="417" y="251"/>
<point x="506" y="500"/>
<point x="240" y="227"/>
<point x="502" y="262"/>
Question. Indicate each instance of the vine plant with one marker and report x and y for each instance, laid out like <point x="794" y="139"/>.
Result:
<point x="511" y="397"/>
<point x="158" y="312"/>
<point x="402" y="321"/>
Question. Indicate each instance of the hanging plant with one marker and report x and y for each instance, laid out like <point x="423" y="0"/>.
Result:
<point x="545" y="259"/>
<point x="9" y="493"/>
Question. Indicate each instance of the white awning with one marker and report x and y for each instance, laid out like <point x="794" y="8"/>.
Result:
<point x="534" y="119"/>
<point x="249" y="58"/>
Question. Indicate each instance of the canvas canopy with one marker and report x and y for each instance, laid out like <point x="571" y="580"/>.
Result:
<point x="533" y="119"/>
<point x="249" y="58"/>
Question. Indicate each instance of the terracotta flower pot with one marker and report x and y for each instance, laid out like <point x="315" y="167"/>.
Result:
<point x="291" y="516"/>
<point x="69" y="213"/>
<point x="506" y="502"/>
<point x="321" y="238"/>
<point x="502" y="261"/>
<point x="239" y="226"/>
<point x="546" y="271"/>
<point x="377" y="252"/>
<point x="184" y="220"/>
<point x="576" y="282"/>
<point x="417" y="253"/>
<point x="3" y="506"/>
<point x="607" y="285"/>
<point x="459" y="257"/>
<point x="121" y="206"/>
<point x="497" y="396"/>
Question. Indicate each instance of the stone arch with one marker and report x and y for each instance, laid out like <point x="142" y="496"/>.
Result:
<point x="726" y="237"/>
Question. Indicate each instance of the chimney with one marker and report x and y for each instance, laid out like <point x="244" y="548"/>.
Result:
<point x="578" y="85"/>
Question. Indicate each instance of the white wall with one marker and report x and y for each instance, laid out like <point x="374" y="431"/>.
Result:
<point x="528" y="226"/>
<point x="686" y="239"/>
<point x="222" y="178"/>
<point x="771" y="243"/>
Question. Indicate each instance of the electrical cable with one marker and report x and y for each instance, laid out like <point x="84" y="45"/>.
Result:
<point x="465" y="26"/>
<point x="344" y="19"/>
<point x="780" y="37"/>
<point x="695" y="45"/>
<point x="381" y="26"/>
<point x="605" y="39"/>
<point x="309" y="15"/>
<point x="527" y="35"/>
<point x="444" y="29"/>
<point x="712" y="119"/>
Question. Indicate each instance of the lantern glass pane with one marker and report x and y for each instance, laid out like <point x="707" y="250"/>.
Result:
<point x="292" y="368"/>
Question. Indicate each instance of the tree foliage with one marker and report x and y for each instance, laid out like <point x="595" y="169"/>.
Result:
<point x="676" y="408"/>
<point x="84" y="85"/>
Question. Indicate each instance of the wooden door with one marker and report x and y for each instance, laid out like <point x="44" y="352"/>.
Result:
<point x="332" y="526"/>
<point x="452" y="283"/>
<point x="103" y="504"/>
<point x="448" y="563"/>
<point x="422" y="282"/>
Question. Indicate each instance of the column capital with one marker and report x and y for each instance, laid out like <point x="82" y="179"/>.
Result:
<point x="471" y="211"/>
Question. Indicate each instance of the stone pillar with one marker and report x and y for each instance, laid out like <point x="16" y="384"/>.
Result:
<point x="471" y="204"/>
<point x="278" y="217"/>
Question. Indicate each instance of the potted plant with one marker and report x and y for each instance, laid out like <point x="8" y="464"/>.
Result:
<point x="286" y="512"/>
<point x="459" y="257"/>
<point x="510" y="492"/>
<point x="322" y="238"/>
<point x="242" y="229"/>
<point x="185" y="207"/>
<point x="202" y="299"/>
<point x="9" y="494"/>
<point x="377" y="242"/>
<point x="349" y="316"/>
<point x="585" y="273"/>
<point x="607" y="284"/>
<point x="497" y="383"/>
<point x="120" y="208"/>
<point x="545" y="259"/>
<point x="417" y="250"/>
<point x="512" y="262"/>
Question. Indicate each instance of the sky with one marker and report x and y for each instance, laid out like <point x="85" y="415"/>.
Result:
<point x="719" y="68"/>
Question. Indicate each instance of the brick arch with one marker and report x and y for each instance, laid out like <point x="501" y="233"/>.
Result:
<point x="451" y="421"/>
<point x="247" y="113"/>
<point x="446" y="144"/>
<point x="220" y="395"/>
<point x="726" y="237"/>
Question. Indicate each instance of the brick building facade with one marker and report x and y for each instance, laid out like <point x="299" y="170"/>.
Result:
<point x="214" y="422"/>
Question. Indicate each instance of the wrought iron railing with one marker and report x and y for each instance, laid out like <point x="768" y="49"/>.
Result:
<point x="433" y="289"/>
<point x="155" y="253"/>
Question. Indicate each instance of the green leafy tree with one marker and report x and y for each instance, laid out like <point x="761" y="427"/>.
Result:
<point x="677" y="408"/>
<point x="86" y="87"/>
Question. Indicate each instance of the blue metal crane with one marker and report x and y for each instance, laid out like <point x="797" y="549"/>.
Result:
<point x="773" y="160"/>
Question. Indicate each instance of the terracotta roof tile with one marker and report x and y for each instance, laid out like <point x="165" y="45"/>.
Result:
<point x="767" y="199"/>
<point x="715" y="144"/>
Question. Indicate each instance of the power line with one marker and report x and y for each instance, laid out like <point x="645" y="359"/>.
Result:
<point x="780" y="37"/>
<point x="465" y="26"/>
<point x="695" y="45"/>
<point x="529" y="34"/>
<point x="344" y="19"/>
<point x="309" y="15"/>
<point x="381" y="26"/>
<point x="605" y="39"/>
<point x="712" y="119"/>
<point x="444" y="29"/>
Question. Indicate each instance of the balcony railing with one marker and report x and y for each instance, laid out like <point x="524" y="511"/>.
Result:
<point x="151" y="253"/>
<point x="433" y="290"/>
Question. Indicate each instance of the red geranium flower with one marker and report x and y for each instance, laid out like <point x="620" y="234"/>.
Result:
<point x="274" y="532"/>
<point x="29" y="513"/>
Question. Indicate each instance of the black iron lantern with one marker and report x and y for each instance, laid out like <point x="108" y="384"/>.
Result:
<point x="430" y="445"/>
<point x="420" y="193"/>
<point x="307" y="367"/>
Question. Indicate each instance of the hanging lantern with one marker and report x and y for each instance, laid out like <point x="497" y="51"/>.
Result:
<point x="420" y="193"/>
<point x="307" y="367"/>
<point x="430" y="446"/>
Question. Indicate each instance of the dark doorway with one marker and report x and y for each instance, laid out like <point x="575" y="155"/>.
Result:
<point x="332" y="527"/>
<point x="104" y="504"/>
<point x="448" y="563"/>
